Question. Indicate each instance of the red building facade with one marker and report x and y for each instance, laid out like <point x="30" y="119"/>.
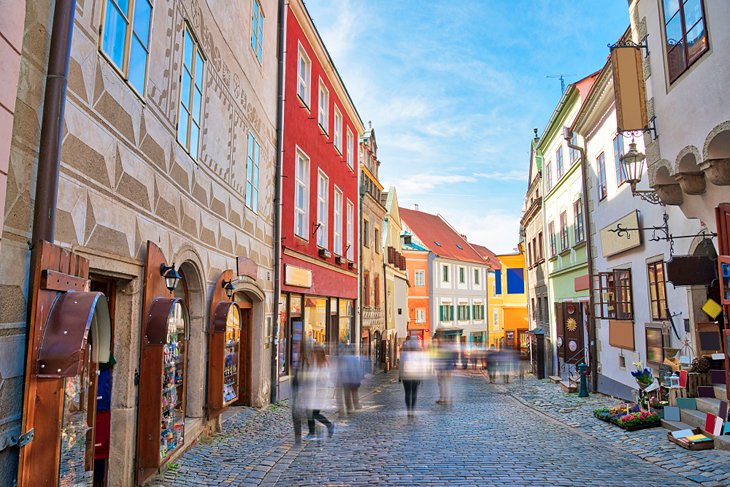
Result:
<point x="320" y="245"/>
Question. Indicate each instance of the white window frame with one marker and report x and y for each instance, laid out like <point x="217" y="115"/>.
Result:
<point x="420" y="315"/>
<point x="323" y="189"/>
<point x="186" y="112"/>
<point x="462" y="275"/>
<point x="301" y="186"/>
<point x="257" y="30"/>
<point x="252" y="173"/>
<point x="350" y="230"/>
<point x="446" y="275"/>
<point x="419" y="278"/>
<point x="323" y="104"/>
<point x="350" y="148"/>
<point x="304" y="76"/>
<point x="495" y="320"/>
<point x="338" y="130"/>
<point x="338" y="222"/>
<point x="477" y="279"/>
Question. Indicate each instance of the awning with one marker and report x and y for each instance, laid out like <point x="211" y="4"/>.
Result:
<point x="448" y="332"/>
<point x="220" y="315"/>
<point x="537" y="331"/>
<point x="155" y="330"/>
<point x="66" y="334"/>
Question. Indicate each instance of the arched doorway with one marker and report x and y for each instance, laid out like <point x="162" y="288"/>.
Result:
<point x="190" y="290"/>
<point x="245" y="350"/>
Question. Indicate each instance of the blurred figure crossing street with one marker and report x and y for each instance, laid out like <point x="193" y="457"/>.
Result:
<point x="444" y="363"/>
<point x="414" y="367"/>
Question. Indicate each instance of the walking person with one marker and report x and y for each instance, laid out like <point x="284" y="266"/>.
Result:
<point x="411" y="372"/>
<point x="492" y="363"/>
<point x="319" y="392"/>
<point x="445" y="363"/>
<point x="350" y="374"/>
<point x="299" y="386"/>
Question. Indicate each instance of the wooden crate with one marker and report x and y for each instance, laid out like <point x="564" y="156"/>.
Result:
<point x="705" y="445"/>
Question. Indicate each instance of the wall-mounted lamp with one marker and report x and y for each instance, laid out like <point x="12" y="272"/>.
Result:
<point x="633" y="165"/>
<point x="228" y="286"/>
<point x="171" y="275"/>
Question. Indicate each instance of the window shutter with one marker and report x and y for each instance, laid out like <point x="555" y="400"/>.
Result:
<point x="451" y="313"/>
<point x="468" y="315"/>
<point x="441" y="313"/>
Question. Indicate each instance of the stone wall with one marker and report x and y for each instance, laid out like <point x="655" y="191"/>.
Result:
<point x="125" y="180"/>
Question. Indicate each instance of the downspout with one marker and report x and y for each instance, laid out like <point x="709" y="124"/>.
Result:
<point x="280" y="39"/>
<point x="567" y="133"/>
<point x="49" y="150"/>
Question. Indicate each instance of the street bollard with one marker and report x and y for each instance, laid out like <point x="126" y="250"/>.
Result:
<point x="582" y="369"/>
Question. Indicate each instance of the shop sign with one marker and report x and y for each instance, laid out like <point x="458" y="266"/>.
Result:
<point x="246" y="267"/>
<point x="612" y="243"/>
<point x="297" y="276"/>
<point x="691" y="270"/>
<point x="629" y="91"/>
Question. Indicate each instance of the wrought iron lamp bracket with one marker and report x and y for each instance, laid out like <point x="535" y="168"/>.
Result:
<point x="628" y="43"/>
<point x="660" y="232"/>
<point x="632" y="134"/>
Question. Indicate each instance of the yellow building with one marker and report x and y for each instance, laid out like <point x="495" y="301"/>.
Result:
<point x="507" y="303"/>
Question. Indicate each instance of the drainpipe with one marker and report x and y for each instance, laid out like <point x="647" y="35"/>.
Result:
<point x="567" y="134"/>
<point x="49" y="150"/>
<point x="281" y="41"/>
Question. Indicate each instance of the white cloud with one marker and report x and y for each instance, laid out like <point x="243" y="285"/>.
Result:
<point x="426" y="182"/>
<point x="503" y="176"/>
<point x="495" y="229"/>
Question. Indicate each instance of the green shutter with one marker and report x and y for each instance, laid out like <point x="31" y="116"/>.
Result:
<point x="441" y="313"/>
<point x="468" y="317"/>
<point x="451" y="313"/>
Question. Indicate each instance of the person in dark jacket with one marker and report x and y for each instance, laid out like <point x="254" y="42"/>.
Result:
<point x="411" y="371"/>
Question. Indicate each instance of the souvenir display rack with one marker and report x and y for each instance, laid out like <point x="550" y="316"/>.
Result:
<point x="173" y="391"/>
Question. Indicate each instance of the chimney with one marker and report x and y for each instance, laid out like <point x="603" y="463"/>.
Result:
<point x="464" y="237"/>
<point x="415" y="206"/>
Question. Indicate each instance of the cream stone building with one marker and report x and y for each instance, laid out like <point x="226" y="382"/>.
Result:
<point x="169" y="137"/>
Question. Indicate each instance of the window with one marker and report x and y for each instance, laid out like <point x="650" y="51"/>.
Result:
<point x="559" y="161"/>
<point x="338" y="130"/>
<point x="376" y="284"/>
<point x="350" y="149"/>
<point x="301" y="196"/>
<point x="350" y="230"/>
<point x="478" y="311"/>
<point x="446" y="312"/>
<point x="495" y="319"/>
<point x="257" y="29"/>
<point x="462" y="313"/>
<point x="366" y="234"/>
<point x="602" y="190"/>
<point x="252" y="173"/>
<point x="685" y="34"/>
<point x="366" y="288"/>
<point x="324" y="107"/>
<point x="540" y="246"/>
<point x="304" y="73"/>
<point x="419" y="278"/>
<point x="515" y="281"/>
<point x="445" y="271"/>
<point x="553" y="243"/>
<point x="322" y="209"/>
<point x="420" y="315"/>
<point x="615" y="295"/>
<point x="578" y="214"/>
<point x="125" y="38"/>
<point x="338" y="222"/>
<point x="618" y="152"/>
<point x="476" y="277"/>
<point x="564" y="243"/>
<point x="462" y="275"/>
<point x="191" y="95"/>
<point x="498" y="281"/>
<point x="654" y="345"/>
<point x="377" y="240"/>
<point x="549" y="175"/>
<point x="573" y="153"/>
<point x="657" y="290"/>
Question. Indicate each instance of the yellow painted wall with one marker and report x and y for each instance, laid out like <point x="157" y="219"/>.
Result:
<point x="511" y="309"/>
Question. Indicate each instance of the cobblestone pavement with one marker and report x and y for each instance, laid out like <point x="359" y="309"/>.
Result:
<point x="487" y="438"/>
<point x="708" y="467"/>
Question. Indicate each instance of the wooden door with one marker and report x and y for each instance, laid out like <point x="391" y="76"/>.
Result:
<point x="244" y="367"/>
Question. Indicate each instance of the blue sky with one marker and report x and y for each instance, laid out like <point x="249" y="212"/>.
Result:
<point x="454" y="89"/>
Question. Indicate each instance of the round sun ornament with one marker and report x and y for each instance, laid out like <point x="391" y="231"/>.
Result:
<point x="572" y="324"/>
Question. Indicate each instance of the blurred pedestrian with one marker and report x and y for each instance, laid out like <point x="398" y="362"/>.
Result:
<point x="444" y="364"/>
<point x="492" y="363"/>
<point x="350" y="377"/>
<point x="319" y="391"/>
<point x="411" y="372"/>
<point x="299" y="400"/>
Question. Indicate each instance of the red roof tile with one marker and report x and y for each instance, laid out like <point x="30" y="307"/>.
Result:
<point x="439" y="236"/>
<point x="490" y="256"/>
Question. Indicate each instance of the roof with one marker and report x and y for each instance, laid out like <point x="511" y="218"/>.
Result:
<point x="489" y="256"/>
<point x="440" y="238"/>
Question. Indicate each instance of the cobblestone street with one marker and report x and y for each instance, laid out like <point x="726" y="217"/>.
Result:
<point x="493" y="435"/>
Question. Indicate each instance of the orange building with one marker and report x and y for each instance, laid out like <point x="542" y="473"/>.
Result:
<point x="419" y="317"/>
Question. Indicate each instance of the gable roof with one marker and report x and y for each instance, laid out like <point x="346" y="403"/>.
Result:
<point x="489" y="256"/>
<point x="439" y="237"/>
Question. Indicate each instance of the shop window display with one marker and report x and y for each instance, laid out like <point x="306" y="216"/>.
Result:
<point x="173" y="384"/>
<point x="233" y="343"/>
<point x="315" y="316"/>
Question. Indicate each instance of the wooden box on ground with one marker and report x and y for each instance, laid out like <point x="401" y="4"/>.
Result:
<point x="704" y="445"/>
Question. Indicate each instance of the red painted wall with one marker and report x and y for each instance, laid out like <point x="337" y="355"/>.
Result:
<point x="301" y="130"/>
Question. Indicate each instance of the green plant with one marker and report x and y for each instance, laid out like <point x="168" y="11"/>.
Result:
<point x="173" y="467"/>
